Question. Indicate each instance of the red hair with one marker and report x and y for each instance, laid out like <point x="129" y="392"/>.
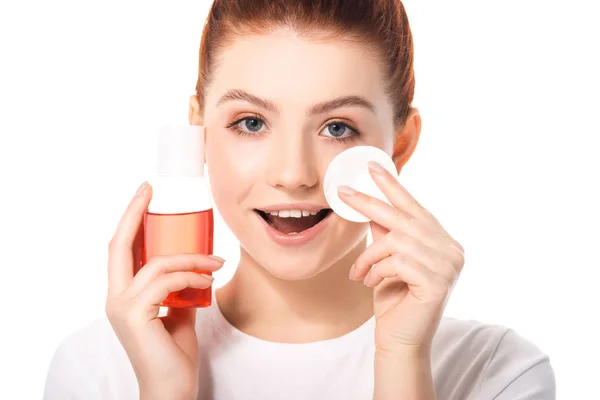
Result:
<point x="381" y="23"/>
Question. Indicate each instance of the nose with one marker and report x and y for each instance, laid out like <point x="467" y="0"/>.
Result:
<point x="292" y="163"/>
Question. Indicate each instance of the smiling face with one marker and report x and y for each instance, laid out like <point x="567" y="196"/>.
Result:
<point x="278" y="109"/>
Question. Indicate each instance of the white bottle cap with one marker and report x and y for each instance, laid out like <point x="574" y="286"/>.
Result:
<point x="180" y="151"/>
<point x="351" y="168"/>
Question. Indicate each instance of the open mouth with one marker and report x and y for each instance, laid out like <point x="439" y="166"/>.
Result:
<point x="293" y="222"/>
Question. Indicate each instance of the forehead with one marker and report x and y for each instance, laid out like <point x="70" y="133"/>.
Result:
<point x="285" y="67"/>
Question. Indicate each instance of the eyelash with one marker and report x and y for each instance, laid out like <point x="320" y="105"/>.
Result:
<point x="234" y="126"/>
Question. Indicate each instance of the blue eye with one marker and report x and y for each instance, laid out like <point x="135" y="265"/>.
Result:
<point x="340" y="131"/>
<point x="252" y="124"/>
<point x="248" y="126"/>
<point x="337" y="130"/>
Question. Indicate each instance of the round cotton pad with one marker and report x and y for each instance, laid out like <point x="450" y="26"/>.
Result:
<point x="351" y="168"/>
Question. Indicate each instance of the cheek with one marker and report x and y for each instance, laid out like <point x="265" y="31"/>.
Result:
<point x="232" y="169"/>
<point x="353" y="234"/>
<point x="344" y="237"/>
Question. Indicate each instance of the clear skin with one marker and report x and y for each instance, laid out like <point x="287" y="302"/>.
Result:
<point x="299" y="294"/>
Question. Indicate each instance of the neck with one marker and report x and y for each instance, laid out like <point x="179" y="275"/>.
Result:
<point x="323" y="307"/>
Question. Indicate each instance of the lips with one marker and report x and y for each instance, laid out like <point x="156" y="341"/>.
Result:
<point x="293" y="222"/>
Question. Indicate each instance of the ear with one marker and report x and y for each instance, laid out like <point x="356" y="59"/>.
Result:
<point x="406" y="138"/>
<point x="195" y="117"/>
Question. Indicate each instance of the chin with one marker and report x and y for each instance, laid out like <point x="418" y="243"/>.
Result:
<point x="289" y="270"/>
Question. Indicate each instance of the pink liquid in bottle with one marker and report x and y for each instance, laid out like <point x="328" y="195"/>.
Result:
<point x="189" y="233"/>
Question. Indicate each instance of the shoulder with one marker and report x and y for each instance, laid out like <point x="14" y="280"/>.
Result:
<point x="489" y="361"/>
<point x="90" y="363"/>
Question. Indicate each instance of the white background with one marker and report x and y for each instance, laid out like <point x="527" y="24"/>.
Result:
<point x="508" y="162"/>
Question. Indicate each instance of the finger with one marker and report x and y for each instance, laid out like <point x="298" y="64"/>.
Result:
<point x="450" y="253"/>
<point x="158" y="290"/>
<point x="376" y="210"/>
<point x="120" y="249"/>
<point x="395" y="192"/>
<point x="161" y="265"/>
<point x="375" y="252"/>
<point x="423" y="283"/>
<point x="392" y="243"/>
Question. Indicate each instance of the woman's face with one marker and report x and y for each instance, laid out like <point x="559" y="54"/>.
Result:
<point x="278" y="109"/>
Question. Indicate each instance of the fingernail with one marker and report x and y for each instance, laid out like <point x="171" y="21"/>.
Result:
<point x="140" y="190"/>
<point x="351" y="272"/>
<point x="377" y="168"/>
<point x="346" y="190"/>
<point x="210" y="278"/>
<point x="219" y="259"/>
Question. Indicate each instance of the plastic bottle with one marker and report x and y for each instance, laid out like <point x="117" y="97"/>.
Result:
<point x="179" y="218"/>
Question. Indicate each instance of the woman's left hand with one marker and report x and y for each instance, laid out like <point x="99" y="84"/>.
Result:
<point x="413" y="264"/>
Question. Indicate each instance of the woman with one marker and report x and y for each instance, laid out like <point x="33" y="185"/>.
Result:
<point x="283" y="87"/>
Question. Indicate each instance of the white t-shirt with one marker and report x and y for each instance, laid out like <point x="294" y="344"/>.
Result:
<point x="470" y="361"/>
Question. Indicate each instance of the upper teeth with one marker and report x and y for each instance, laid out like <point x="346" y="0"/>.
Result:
<point x="293" y="213"/>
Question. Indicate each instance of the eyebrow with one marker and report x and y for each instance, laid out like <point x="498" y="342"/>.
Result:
<point x="319" y="108"/>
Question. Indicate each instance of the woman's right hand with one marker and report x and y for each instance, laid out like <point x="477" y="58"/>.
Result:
<point x="163" y="350"/>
